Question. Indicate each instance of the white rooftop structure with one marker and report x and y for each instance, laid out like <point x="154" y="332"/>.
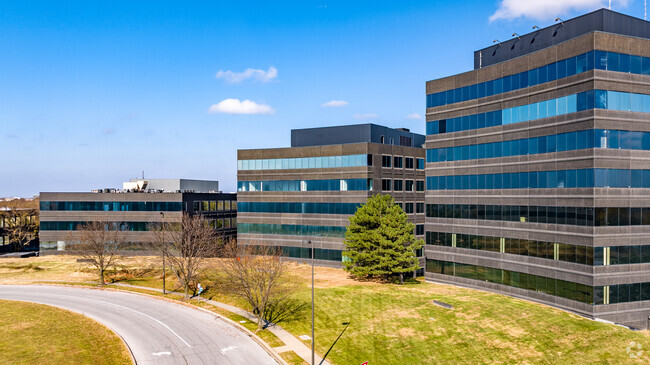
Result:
<point x="173" y="185"/>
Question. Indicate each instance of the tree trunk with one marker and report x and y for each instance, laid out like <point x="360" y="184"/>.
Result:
<point x="401" y="278"/>
<point x="187" y="291"/>
<point x="259" y="324"/>
<point x="101" y="277"/>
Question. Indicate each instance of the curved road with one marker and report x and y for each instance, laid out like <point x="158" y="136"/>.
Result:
<point x="157" y="331"/>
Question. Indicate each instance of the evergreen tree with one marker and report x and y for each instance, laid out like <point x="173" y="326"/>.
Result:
<point x="380" y="241"/>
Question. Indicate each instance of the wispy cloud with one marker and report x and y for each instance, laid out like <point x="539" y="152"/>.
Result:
<point x="236" y="106"/>
<point x="249" y="73"/>
<point x="366" y="116"/>
<point x="108" y="131"/>
<point x="12" y="136"/>
<point x="414" y="116"/>
<point x="335" y="103"/>
<point x="546" y="9"/>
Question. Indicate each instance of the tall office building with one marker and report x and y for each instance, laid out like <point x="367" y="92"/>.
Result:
<point x="538" y="169"/>
<point x="140" y="203"/>
<point x="303" y="195"/>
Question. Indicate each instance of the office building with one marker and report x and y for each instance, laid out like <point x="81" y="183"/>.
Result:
<point x="141" y="203"/>
<point x="538" y="169"/>
<point x="303" y="195"/>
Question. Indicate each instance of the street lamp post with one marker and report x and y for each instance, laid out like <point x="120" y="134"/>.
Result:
<point x="313" y="340"/>
<point x="163" y="252"/>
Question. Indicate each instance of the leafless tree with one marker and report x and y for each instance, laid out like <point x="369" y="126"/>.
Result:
<point x="185" y="244"/>
<point x="257" y="274"/>
<point x="19" y="220"/>
<point x="98" y="243"/>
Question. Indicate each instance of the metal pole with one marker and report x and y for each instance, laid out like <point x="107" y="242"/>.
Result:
<point x="313" y="340"/>
<point x="163" y="253"/>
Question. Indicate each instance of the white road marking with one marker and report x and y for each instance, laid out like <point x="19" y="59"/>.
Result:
<point x="229" y="348"/>
<point x="161" y="353"/>
<point x="132" y="310"/>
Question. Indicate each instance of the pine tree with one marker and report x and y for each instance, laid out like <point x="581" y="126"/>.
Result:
<point x="380" y="241"/>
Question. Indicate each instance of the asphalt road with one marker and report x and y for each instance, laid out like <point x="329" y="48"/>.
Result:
<point x="157" y="331"/>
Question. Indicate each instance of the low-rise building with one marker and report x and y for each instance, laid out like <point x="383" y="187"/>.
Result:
<point x="142" y="203"/>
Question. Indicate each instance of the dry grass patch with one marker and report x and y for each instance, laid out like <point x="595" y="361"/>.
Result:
<point x="39" y="334"/>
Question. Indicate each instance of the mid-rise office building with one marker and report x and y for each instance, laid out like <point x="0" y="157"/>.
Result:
<point x="141" y="203"/>
<point x="538" y="169"/>
<point x="303" y="195"/>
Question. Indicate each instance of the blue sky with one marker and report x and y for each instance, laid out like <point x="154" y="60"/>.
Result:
<point x="93" y="93"/>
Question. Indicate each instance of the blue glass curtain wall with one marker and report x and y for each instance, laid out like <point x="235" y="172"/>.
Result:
<point x="599" y="99"/>
<point x="601" y="60"/>
<point x="577" y="216"/>
<point x="111" y="206"/>
<point x="306" y="185"/>
<point x="289" y="229"/>
<point x="598" y="256"/>
<point x="592" y="138"/>
<point x="304" y="162"/>
<point x="565" y="289"/>
<point x="301" y="208"/>
<point x="305" y="253"/>
<point x="73" y="226"/>
<point x="583" y="178"/>
<point x="544" y="250"/>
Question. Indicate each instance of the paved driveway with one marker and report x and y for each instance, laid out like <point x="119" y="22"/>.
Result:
<point x="157" y="331"/>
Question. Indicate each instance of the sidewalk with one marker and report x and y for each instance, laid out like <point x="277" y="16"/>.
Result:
<point x="291" y="343"/>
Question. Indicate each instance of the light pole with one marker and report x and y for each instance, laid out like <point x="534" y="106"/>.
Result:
<point x="163" y="252"/>
<point x="313" y="341"/>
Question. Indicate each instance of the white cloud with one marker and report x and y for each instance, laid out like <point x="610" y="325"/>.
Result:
<point x="414" y="116"/>
<point x="236" y="106"/>
<point x="335" y="103"/>
<point x="365" y="116"/>
<point x="249" y="73"/>
<point x="547" y="9"/>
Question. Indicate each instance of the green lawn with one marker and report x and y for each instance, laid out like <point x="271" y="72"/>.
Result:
<point x="392" y="324"/>
<point x="39" y="334"/>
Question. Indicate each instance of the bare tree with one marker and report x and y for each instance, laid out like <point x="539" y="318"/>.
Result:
<point x="186" y="244"/>
<point x="98" y="243"/>
<point x="19" y="220"/>
<point x="257" y="275"/>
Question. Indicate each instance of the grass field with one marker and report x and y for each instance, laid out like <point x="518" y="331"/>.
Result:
<point x="39" y="334"/>
<point x="392" y="324"/>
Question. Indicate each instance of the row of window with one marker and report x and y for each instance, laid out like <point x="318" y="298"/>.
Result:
<point x="121" y="206"/>
<point x="305" y="253"/>
<point x="214" y="206"/>
<point x="305" y="162"/>
<point x="306" y="185"/>
<point x="397" y="162"/>
<point x="129" y="226"/>
<point x="565" y="289"/>
<point x="291" y="229"/>
<point x="591" y="138"/>
<point x="315" y="208"/>
<point x="598" y="99"/>
<point x="600" y="60"/>
<point x="299" y="208"/>
<point x="583" y="178"/>
<point x="608" y="294"/>
<point x="576" y="216"/>
<point x="402" y="185"/>
<point x="614" y="255"/>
